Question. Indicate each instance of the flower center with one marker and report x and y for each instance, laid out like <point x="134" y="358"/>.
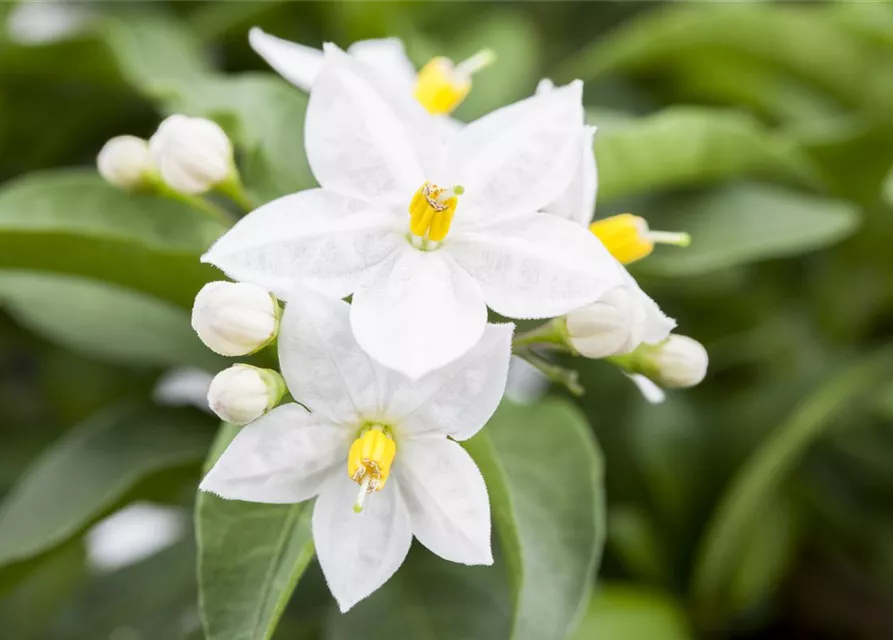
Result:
<point x="441" y="87"/>
<point x="628" y="238"/>
<point x="369" y="461"/>
<point x="431" y="214"/>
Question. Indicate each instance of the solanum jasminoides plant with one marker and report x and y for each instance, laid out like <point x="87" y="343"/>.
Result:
<point x="515" y="322"/>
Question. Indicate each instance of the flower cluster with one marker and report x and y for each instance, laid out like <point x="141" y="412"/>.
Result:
<point x="426" y="225"/>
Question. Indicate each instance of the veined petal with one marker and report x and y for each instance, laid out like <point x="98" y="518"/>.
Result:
<point x="282" y="457"/>
<point x="417" y="311"/>
<point x="536" y="266"/>
<point x="447" y="499"/>
<point x="358" y="142"/>
<point x="577" y="203"/>
<point x="295" y="62"/>
<point x="656" y="324"/>
<point x="456" y="400"/>
<point x="327" y="239"/>
<point x="388" y="58"/>
<point x="520" y="157"/>
<point x="359" y="552"/>
<point x="322" y="364"/>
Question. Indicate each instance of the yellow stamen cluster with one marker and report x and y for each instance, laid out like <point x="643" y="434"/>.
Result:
<point x="441" y="87"/>
<point x="369" y="461"/>
<point x="431" y="211"/>
<point x="628" y="238"/>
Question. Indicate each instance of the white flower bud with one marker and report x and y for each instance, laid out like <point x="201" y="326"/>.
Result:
<point x="125" y="162"/>
<point x="235" y="318"/>
<point x="610" y="326"/>
<point x="192" y="154"/>
<point x="243" y="393"/>
<point x="679" y="362"/>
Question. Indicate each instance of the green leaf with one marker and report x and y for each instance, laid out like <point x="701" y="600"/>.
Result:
<point x="544" y="476"/>
<point x="747" y="223"/>
<point x="104" y="321"/>
<point x="793" y="39"/>
<point x="87" y="470"/>
<point x="626" y="612"/>
<point x="753" y="494"/>
<point x="250" y="558"/>
<point x="265" y="116"/>
<point x="683" y="146"/>
<point x="71" y="221"/>
<point x="431" y="598"/>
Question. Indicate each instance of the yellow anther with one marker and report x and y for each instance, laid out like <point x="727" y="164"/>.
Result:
<point x="369" y="461"/>
<point x="628" y="238"/>
<point x="441" y="87"/>
<point x="431" y="212"/>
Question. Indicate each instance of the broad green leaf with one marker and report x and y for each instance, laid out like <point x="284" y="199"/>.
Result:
<point x="265" y="117"/>
<point x="71" y="221"/>
<point x="627" y="612"/>
<point x="434" y="599"/>
<point x="752" y="495"/>
<point x="684" y="146"/>
<point x="250" y="557"/>
<point x="741" y="224"/>
<point x="152" y="49"/>
<point x="88" y="469"/>
<point x="104" y="321"/>
<point x="544" y="476"/>
<point x="794" y="39"/>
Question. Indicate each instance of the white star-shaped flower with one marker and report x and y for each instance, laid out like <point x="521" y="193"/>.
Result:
<point x="423" y="262"/>
<point x="377" y="448"/>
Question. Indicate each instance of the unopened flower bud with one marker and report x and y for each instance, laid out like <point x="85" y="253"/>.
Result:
<point x="193" y="154"/>
<point x="125" y="162"/>
<point x="243" y="393"/>
<point x="679" y="362"/>
<point x="610" y="326"/>
<point x="235" y="318"/>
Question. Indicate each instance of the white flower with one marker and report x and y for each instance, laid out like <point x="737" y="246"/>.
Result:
<point x="679" y="362"/>
<point x="242" y="393"/>
<point x="377" y="448"/>
<point x="185" y="386"/>
<point x="125" y="162"/>
<point x="423" y="262"/>
<point x="235" y="318"/>
<point x="192" y="154"/>
<point x="618" y="322"/>
<point x="440" y="86"/>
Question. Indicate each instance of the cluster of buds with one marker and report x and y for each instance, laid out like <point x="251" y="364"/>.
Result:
<point x="624" y="326"/>
<point x="239" y="319"/>
<point x="188" y="155"/>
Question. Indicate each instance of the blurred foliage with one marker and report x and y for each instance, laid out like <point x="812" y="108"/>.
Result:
<point x="757" y="505"/>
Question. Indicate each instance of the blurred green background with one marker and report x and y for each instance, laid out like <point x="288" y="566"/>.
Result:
<point x="758" y="505"/>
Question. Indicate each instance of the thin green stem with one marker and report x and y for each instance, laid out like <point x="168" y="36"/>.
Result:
<point x="551" y="334"/>
<point x="568" y="378"/>
<point x="233" y="189"/>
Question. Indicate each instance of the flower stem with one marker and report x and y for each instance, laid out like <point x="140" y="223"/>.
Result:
<point x="233" y="189"/>
<point x="568" y="378"/>
<point x="552" y="334"/>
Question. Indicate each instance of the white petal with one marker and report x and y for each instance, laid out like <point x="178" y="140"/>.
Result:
<point x="322" y="364"/>
<point x="536" y="266"/>
<point x="357" y="141"/>
<point x="417" y="312"/>
<point x="520" y="157"/>
<point x="325" y="238"/>
<point x="388" y="58"/>
<point x="458" y="399"/>
<point x="283" y="457"/>
<point x="184" y="386"/>
<point x="656" y="325"/>
<point x="577" y="203"/>
<point x="649" y="390"/>
<point x="294" y="62"/>
<point x="359" y="552"/>
<point x="447" y="499"/>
